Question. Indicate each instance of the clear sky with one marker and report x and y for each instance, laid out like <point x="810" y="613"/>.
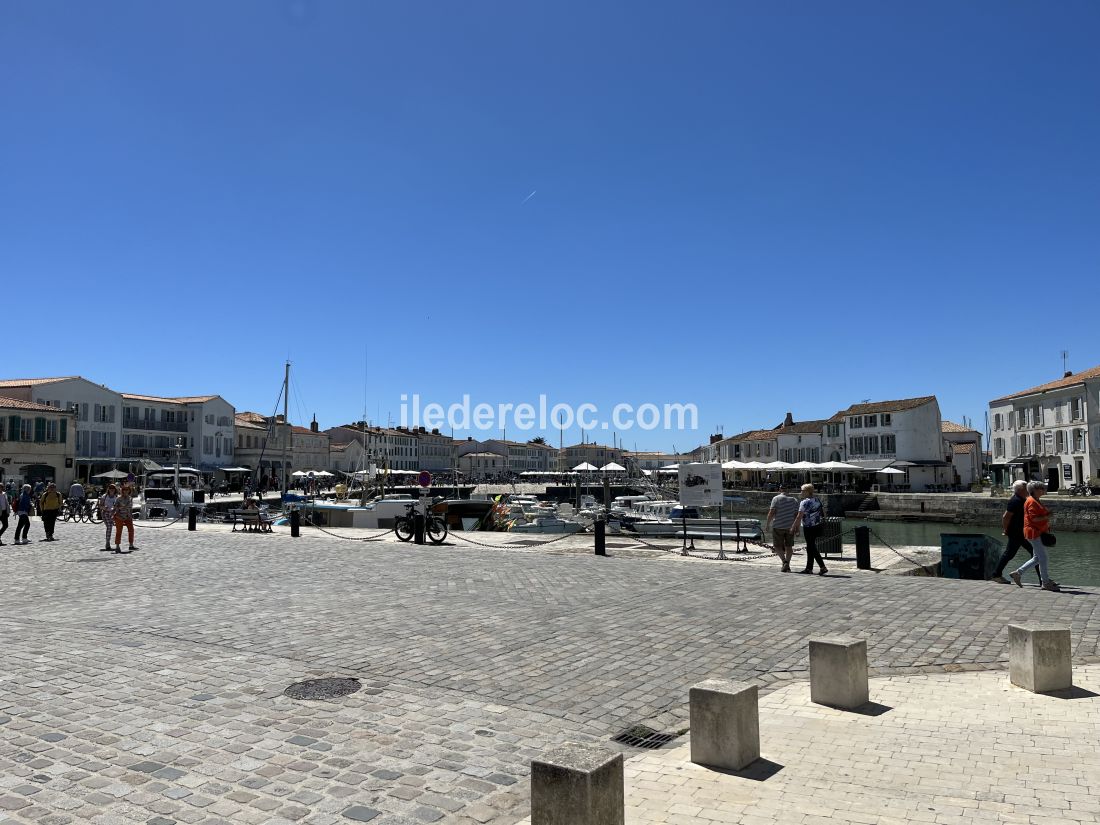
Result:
<point x="752" y="207"/>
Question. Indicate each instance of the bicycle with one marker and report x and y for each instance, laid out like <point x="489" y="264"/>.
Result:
<point x="435" y="528"/>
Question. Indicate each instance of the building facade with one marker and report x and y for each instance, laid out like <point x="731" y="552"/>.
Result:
<point x="1049" y="432"/>
<point x="965" y="451"/>
<point x="196" y="430"/>
<point x="36" y="443"/>
<point x="597" y="455"/>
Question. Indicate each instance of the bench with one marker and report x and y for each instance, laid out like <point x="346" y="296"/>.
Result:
<point x="256" y="521"/>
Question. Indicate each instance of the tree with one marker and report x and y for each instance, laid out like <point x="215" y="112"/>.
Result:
<point x="537" y="440"/>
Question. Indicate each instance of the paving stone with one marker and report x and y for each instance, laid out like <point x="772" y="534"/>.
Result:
<point x="360" y="813"/>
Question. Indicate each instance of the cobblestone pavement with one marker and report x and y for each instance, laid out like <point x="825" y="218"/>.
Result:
<point x="961" y="748"/>
<point x="148" y="687"/>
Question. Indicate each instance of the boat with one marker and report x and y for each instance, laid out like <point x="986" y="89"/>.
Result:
<point x="547" y="524"/>
<point x="670" y="518"/>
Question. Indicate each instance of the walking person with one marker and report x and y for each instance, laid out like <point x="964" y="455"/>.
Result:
<point x="1012" y="526"/>
<point x="781" y="516"/>
<point x="1037" y="531"/>
<point x="77" y="496"/>
<point x="23" y="508"/>
<point x="49" y="507"/>
<point x="5" y="508"/>
<point x="107" y="504"/>
<point x="811" y="517"/>
<point x="124" y="517"/>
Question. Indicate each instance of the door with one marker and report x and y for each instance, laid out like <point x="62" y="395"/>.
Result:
<point x="1052" y="479"/>
<point x="1079" y="468"/>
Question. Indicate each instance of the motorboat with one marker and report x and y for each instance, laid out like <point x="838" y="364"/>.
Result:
<point x="546" y="524"/>
<point x="670" y="518"/>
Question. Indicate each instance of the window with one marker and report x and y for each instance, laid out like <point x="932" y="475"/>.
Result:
<point x="870" y="421"/>
<point x="998" y="422"/>
<point x="757" y="450"/>
<point x="889" y="445"/>
<point x="855" y="445"/>
<point x="998" y="446"/>
<point x="52" y="431"/>
<point x="210" y="419"/>
<point x="832" y="430"/>
<point x="855" y="422"/>
<point x="1021" y="419"/>
<point x="1037" y="416"/>
<point x="1078" y="441"/>
<point x="1060" y="442"/>
<point x="871" y="444"/>
<point x="1048" y="442"/>
<point x="1058" y="413"/>
<point x="1023" y="444"/>
<point x="768" y="449"/>
<point x="886" y="419"/>
<point x="1075" y="409"/>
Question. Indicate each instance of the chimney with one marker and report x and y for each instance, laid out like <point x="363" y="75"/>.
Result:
<point x="1068" y="374"/>
<point x="313" y="427"/>
<point x="788" y="421"/>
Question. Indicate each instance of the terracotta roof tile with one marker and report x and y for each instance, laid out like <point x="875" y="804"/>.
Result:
<point x="17" y="404"/>
<point x="30" y="382"/>
<point x="1068" y="381"/>
<point x="952" y="427"/>
<point x="963" y="449"/>
<point x="882" y="406"/>
<point x="801" y="427"/>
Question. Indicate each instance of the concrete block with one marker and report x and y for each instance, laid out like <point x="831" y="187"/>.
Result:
<point x="1039" y="657"/>
<point x="725" y="724"/>
<point x="838" y="672"/>
<point x="577" y="785"/>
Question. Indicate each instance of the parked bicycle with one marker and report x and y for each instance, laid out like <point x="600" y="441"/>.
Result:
<point x="81" y="510"/>
<point x="435" y="528"/>
<point x="1080" y="490"/>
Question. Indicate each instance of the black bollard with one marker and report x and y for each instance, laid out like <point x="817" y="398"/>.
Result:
<point x="295" y="522"/>
<point x="863" y="548"/>
<point x="418" y="527"/>
<point x="601" y="548"/>
<point x="191" y="519"/>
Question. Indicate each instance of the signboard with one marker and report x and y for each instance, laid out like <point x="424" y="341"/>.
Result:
<point x="701" y="485"/>
<point x="425" y="478"/>
<point x="1067" y="472"/>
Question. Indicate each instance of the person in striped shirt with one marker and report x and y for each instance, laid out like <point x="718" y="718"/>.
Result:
<point x="781" y="517"/>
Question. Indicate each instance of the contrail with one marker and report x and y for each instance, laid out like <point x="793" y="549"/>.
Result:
<point x="533" y="191"/>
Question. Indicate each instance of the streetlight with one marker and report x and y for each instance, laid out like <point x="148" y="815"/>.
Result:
<point x="178" y="448"/>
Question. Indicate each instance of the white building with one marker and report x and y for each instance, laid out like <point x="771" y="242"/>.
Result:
<point x="396" y="448"/>
<point x="201" y="426"/>
<point x="309" y="448"/>
<point x="435" y="451"/>
<point x="1051" y="431"/>
<point x="478" y="466"/>
<point x="97" y="420"/>
<point x="905" y="434"/>
<point x="965" y="451"/>
<point x="36" y="443"/>
<point x="519" y="456"/>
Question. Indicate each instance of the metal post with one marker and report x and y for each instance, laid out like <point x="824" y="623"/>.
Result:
<point x="737" y="527"/>
<point x="863" y="548"/>
<point x="684" y="550"/>
<point x="418" y="527"/>
<point x="721" y="539"/>
<point x="601" y="548"/>
<point x="191" y="518"/>
<point x="295" y="522"/>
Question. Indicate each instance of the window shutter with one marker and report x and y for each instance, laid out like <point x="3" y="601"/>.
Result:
<point x="13" y="428"/>
<point x="39" y="429"/>
<point x="64" y="430"/>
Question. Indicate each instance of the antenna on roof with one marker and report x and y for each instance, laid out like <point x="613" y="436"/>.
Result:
<point x="1065" y="358"/>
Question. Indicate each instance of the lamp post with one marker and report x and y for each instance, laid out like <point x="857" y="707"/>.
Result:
<point x="178" y="448"/>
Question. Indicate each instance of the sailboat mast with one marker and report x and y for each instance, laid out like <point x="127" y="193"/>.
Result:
<point x="286" y="421"/>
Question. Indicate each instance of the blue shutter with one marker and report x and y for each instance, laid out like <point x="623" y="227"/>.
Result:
<point x="39" y="429"/>
<point x="13" y="428"/>
<point x="64" y="429"/>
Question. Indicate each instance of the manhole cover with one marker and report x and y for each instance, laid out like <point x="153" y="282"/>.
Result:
<point x="640" y="736"/>
<point x="322" y="688"/>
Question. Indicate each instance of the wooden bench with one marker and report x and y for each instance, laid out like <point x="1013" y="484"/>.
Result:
<point x="255" y="521"/>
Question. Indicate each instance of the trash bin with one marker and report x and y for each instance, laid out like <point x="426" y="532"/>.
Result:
<point x="829" y="543"/>
<point x="968" y="555"/>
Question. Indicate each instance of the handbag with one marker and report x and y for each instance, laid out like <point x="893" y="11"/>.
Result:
<point x="1048" y="539"/>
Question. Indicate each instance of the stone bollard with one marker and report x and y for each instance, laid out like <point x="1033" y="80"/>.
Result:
<point x="838" y="672"/>
<point x="725" y="724"/>
<point x="577" y="785"/>
<point x="1039" y="657"/>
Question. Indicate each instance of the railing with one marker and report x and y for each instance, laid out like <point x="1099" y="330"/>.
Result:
<point x="161" y="426"/>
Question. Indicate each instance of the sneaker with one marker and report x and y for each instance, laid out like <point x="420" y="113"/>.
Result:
<point x="1016" y="579"/>
<point x="823" y="571"/>
<point x="1052" y="586"/>
<point x="1000" y="580"/>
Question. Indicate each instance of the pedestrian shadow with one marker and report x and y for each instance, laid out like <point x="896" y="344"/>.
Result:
<point x="90" y="558"/>
<point x="759" y="771"/>
<point x="1073" y="692"/>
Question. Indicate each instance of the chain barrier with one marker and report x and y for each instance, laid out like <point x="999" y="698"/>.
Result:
<point x="157" y="526"/>
<point x="716" y="557"/>
<point x="486" y="544"/>
<point x="376" y="537"/>
<point x="895" y="550"/>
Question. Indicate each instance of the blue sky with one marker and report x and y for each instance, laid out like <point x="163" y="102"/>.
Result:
<point x="752" y="207"/>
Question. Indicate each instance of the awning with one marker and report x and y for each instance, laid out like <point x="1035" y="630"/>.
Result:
<point x="235" y="469"/>
<point x="880" y="463"/>
<point x="150" y="466"/>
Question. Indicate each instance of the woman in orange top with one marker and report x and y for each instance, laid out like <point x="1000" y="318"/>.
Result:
<point x="1036" y="526"/>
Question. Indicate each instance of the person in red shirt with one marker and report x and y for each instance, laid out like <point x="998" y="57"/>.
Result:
<point x="1036" y="529"/>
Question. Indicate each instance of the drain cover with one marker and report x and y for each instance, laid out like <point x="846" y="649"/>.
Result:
<point x="322" y="688"/>
<point x="640" y="736"/>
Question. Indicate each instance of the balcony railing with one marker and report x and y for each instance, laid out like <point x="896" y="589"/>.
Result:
<point x="159" y="426"/>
